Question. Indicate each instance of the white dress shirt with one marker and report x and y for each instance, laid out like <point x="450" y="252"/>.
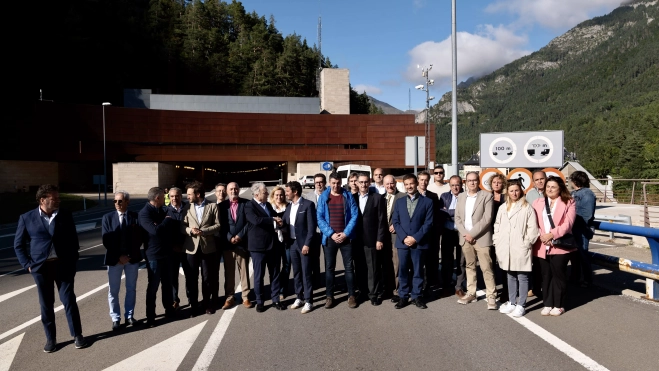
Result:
<point x="450" y="222"/>
<point x="294" y="207"/>
<point x="469" y="210"/>
<point x="362" y="201"/>
<point x="199" y="210"/>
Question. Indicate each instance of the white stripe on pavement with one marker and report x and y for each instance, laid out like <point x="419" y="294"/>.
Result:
<point x="206" y="357"/>
<point x="14" y="293"/>
<point x="21" y="269"/>
<point x="8" y="351"/>
<point x="557" y="343"/>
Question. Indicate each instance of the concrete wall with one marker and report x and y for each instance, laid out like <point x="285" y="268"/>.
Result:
<point x="14" y="175"/>
<point x="335" y="90"/>
<point x="138" y="177"/>
<point x="208" y="103"/>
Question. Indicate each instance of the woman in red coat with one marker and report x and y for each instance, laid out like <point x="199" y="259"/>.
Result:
<point x="554" y="259"/>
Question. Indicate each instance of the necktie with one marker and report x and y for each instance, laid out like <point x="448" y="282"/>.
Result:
<point x="390" y="204"/>
<point x="123" y="221"/>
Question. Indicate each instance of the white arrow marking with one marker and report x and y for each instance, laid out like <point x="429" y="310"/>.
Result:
<point x="14" y="293"/>
<point x="8" y="351"/>
<point x="163" y="356"/>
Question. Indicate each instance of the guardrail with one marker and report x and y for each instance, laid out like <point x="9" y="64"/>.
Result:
<point x="649" y="271"/>
<point x="619" y="219"/>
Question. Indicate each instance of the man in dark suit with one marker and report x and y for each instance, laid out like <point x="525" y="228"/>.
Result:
<point x="391" y="253"/>
<point x="320" y="184"/>
<point x="371" y="229"/>
<point x="412" y="219"/>
<point x="448" y="201"/>
<point x="158" y="248"/>
<point x="122" y="238"/>
<point x="46" y="245"/>
<point x="299" y="228"/>
<point x="432" y="255"/>
<point x="176" y="211"/>
<point x="260" y="242"/>
<point x="233" y="229"/>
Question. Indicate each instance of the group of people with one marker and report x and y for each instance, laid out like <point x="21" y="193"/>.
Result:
<point x="390" y="243"/>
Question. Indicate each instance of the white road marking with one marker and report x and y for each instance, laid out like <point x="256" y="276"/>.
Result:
<point x="166" y="355"/>
<point x="8" y="351"/>
<point x="21" y="269"/>
<point x="602" y="244"/>
<point x="206" y="357"/>
<point x="14" y="293"/>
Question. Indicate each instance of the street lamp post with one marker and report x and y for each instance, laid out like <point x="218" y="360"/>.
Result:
<point x="105" y="165"/>
<point x="426" y="88"/>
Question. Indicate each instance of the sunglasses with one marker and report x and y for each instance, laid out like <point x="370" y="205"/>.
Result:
<point x="118" y="202"/>
<point x="439" y="172"/>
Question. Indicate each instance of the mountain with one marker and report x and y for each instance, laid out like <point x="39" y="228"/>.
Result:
<point x="599" y="82"/>
<point x="387" y="108"/>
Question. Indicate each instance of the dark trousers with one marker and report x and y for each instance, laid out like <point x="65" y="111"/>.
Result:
<point x="210" y="278"/>
<point x="451" y="246"/>
<point x="410" y="260"/>
<point x="536" y="278"/>
<point x="285" y="273"/>
<point x="179" y="259"/>
<point x="360" y="267"/>
<point x="266" y="259"/>
<point x="62" y="275"/>
<point x="373" y="259"/>
<point x="389" y="272"/>
<point x="314" y="259"/>
<point x="159" y="272"/>
<point x="580" y="260"/>
<point x="554" y="279"/>
<point x="302" y="278"/>
<point x="331" y="250"/>
<point x="431" y="262"/>
<point x="500" y="276"/>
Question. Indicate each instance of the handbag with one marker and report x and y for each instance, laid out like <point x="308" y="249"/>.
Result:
<point x="565" y="242"/>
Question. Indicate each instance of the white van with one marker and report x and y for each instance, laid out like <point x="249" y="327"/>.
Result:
<point x="345" y="170"/>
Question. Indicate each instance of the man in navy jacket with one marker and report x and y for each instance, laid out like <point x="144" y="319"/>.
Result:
<point x="122" y="238"/>
<point x="412" y="219"/>
<point x="158" y="248"/>
<point x="46" y="245"/>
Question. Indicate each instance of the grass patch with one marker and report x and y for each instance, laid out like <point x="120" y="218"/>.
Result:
<point x="15" y="204"/>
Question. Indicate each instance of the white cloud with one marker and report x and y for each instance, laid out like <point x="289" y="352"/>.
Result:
<point x="554" y="14"/>
<point x="478" y="54"/>
<point x="419" y="3"/>
<point x="370" y="90"/>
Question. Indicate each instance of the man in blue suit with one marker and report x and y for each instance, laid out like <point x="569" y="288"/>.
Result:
<point x="299" y="228"/>
<point x="412" y="219"/>
<point x="122" y="238"/>
<point x="46" y="245"/>
<point x="260" y="243"/>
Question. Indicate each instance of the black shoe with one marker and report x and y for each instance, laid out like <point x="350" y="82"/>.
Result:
<point x="260" y="308"/>
<point x="132" y="322"/>
<point x="116" y="325"/>
<point x="376" y="302"/>
<point x="150" y="322"/>
<point x="51" y="346"/>
<point x="279" y="306"/>
<point x="402" y="303"/>
<point x="170" y="314"/>
<point x="80" y="342"/>
<point x="395" y="299"/>
<point x="420" y="304"/>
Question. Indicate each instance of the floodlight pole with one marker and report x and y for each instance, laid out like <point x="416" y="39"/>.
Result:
<point x="105" y="164"/>
<point x="454" y="106"/>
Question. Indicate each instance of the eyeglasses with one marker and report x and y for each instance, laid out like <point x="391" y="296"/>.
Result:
<point x="439" y="172"/>
<point x="319" y="182"/>
<point x="118" y="201"/>
<point x="363" y="182"/>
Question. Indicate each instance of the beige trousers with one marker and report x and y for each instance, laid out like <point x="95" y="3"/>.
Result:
<point x="471" y="253"/>
<point x="233" y="258"/>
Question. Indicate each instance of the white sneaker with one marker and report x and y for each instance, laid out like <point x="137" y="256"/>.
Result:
<point x="307" y="308"/>
<point x="298" y="303"/>
<point x="545" y="311"/>
<point x="507" y="308"/>
<point x="519" y="311"/>
<point x="556" y="312"/>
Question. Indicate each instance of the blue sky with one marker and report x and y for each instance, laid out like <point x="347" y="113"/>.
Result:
<point x="381" y="42"/>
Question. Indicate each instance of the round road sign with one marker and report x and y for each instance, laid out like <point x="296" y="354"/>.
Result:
<point x="327" y="166"/>
<point x="524" y="176"/>
<point x="502" y="150"/>
<point x="538" y="149"/>
<point x="550" y="171"/>
<point x="485" y="178"/>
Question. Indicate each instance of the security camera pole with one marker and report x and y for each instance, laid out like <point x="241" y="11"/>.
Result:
<point x="454" y="103"/>
<point x="426" y="88"/>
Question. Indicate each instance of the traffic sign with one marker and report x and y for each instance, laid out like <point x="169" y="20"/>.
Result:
<point x="502" y="150"/>
<point x="522" y="149"/>
<point x="524" y="176"/>
<point x="327" y="166"/>
<point x="550" y="171"/>
<point x="485" y="178"/>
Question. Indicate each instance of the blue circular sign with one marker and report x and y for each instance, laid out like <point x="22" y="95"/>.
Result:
<point x="327" y="166"/>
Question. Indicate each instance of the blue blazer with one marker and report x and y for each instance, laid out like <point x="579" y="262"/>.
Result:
<point x="419" y="226"/>
<point x="33" y="241"/>
<point x="158" y="237"/>
<point x="230" y="227"/>
<point x="305" y="223"/>
<point x="261" y="233"/>
<point x="111" y="232"/>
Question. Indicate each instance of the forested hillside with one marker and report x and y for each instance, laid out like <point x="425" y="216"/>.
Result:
<point x="599" y="83"/>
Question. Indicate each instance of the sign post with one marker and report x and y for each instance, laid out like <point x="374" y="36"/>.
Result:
<point x="415" y="149"/>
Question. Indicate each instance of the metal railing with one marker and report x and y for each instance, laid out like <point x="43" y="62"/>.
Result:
<point x="648" y="270"/>
<point x="619" y="219"/>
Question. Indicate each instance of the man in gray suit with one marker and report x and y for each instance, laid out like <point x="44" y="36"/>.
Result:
<point x="320" y="183"/>
<point x="391" y="271"/>
<point x="473" y="220"/>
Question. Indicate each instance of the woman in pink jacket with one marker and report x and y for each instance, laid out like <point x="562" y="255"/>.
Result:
<point x="554" y="259"/>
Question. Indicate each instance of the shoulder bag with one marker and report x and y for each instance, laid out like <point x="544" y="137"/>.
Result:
<point x="565" y="242"/>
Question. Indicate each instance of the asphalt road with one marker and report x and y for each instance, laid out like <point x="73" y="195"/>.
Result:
<point x="600" y="330"/>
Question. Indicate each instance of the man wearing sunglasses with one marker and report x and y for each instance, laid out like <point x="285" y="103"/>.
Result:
<point x="122" y="238"/>
<point x="439" y="185"/>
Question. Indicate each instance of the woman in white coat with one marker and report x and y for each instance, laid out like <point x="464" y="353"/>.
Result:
<point x="515" y="231"/>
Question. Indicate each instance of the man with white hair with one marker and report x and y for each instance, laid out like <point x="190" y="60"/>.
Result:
<point x="263" y="224"/>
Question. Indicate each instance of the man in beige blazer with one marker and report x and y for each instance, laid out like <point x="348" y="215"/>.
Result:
<point x="199" y="225"/>
<point x="473" y="219"/>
